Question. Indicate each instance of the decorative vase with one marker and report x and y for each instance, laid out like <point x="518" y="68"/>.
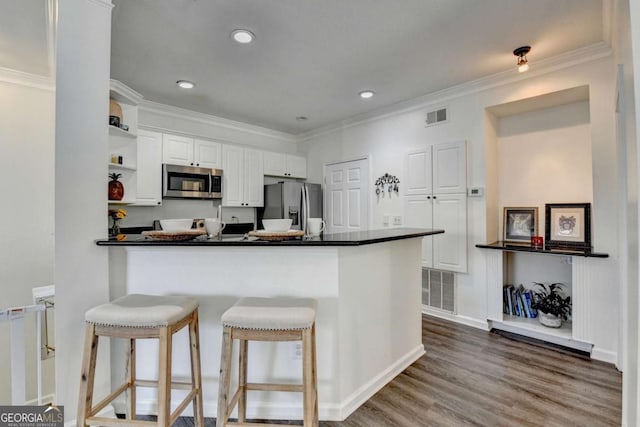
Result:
<point x="116" y="189"/>
<point x="549" y="320"/>
<point x="115" y="113"/>
<point x="115" y="228"/>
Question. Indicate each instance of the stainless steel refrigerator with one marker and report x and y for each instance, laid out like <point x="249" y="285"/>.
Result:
<point x="295" y="200"/>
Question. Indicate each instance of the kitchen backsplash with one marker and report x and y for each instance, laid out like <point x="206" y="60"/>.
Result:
<point x="139" y="216"/>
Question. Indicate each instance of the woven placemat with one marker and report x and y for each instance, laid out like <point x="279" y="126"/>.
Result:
<point x="174" y="235"/>
<point x="276" y="235"/>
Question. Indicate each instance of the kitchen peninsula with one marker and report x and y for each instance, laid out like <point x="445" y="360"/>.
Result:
<point x="367" y="285"/>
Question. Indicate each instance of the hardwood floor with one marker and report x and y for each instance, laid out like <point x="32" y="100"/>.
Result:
<point x="469" y="377"/>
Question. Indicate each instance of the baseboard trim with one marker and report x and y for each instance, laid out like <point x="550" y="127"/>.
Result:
<point x="366" y="391"/>
<point x="464" y="320"/>
<point x="327" y="411"/>
<point x="605" y="356"/>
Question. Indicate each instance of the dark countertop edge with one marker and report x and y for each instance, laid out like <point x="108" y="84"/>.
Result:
<point x="522" y="247"/>
<point x="407" y="234"/>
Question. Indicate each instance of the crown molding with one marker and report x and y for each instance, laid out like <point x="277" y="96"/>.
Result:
<point x="569" y="59"/>
<point x="130" y="96"/>
<point x="26" y="79"/>
<point x="104" y="3"/>
<point x="193" y="116"/>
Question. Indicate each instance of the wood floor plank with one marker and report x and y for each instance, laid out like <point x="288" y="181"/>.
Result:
<point x="470" y="377"/>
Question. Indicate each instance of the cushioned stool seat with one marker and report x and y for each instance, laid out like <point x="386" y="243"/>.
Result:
<point x="271" y="314"/>
<point x="268" y="319"/>
<point x="135" y="317"/>
<point x="142" y="311"/>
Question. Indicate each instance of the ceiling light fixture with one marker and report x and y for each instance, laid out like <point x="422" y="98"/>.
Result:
<point x="366" y="94"/>
<point x="521" y="53"/>
<point x="302" y="118"/>
<point x="185" y="84"/>
<point x="243" y="36"/>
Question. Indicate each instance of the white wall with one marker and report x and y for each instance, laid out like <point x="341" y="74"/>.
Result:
<point x="388" y="137"/>
<point x="81" y="273"/>
<point x="26" y="220"/>
<point x="544" y="156"/>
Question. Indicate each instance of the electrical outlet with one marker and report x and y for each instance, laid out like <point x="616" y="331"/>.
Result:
<point x="385" y="220"/>
<point x="397" y="220"/>
<point x="297" y="351"/>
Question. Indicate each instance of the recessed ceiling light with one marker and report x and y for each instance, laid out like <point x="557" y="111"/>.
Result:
<point x="302" y="118"/>
<point x="243" y="36"/>
<point x="185" y="84"/>
<point x="366" y="94"/>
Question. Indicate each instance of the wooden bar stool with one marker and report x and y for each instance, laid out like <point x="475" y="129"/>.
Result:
<point x="135" y="317"/>
<point x="268" y="319"/>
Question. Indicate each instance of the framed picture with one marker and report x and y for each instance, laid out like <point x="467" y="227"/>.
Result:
<point x="520" y="224"/>
<point x="568" y="225"/>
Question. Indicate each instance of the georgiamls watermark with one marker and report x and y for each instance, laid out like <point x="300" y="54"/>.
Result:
<point x="31" y="416"/>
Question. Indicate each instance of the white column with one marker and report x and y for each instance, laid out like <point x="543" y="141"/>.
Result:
<point x="495" y="282"/>
<point x="81" y="268"/>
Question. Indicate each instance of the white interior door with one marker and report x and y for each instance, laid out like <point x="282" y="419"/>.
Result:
<point x="346" y="196"/>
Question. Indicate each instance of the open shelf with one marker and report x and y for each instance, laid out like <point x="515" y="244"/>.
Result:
<point x="121" y="167"/>
<point x="535" y="325"/>
<point x="116" y="131"/>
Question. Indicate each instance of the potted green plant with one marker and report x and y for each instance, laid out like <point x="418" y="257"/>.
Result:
<point x="552" y="307"/>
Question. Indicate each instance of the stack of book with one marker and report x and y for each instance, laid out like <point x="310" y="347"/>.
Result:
<point x="518" y="301"/>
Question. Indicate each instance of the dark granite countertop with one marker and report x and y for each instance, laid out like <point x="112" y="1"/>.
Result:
<point x="355" y="238"/>
<point x="526" y="247"/>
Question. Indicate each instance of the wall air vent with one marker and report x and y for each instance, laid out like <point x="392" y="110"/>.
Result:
<point x="436" y="117"/>
<point x="438" y="289"/>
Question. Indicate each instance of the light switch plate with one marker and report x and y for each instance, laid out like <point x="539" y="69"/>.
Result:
<point x="385" y="220"/>
<point x="397" y="220"/>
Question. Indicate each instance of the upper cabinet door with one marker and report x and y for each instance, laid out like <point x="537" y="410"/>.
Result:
<point x="296" y="166"/>
<point x="450" y="248"/>
<point x="274" y="164"/>
<point x="232" y="175"/>
<point x="450" y="168"/>
<point x="149" y="169"/>
<point x="253" y="178"/>
<point x="177" y="150"/>
<point x="207" y="154"/>
<point x="418" y="169"/>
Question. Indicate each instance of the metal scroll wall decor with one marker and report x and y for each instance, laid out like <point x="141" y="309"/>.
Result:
<point x="387" y="183"/>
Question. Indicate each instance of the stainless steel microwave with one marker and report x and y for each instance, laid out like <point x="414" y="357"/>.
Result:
<point x="187" y="182"/>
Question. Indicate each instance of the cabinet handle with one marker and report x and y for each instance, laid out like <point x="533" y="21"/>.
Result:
<point x="159" y="203"/>
<point x="428" y="197"/>
<point x="434" y="197"/>
<point x="197" y="164"/>
<point x="191" y="164"/>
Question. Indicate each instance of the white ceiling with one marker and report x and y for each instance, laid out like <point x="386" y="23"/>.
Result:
<point x="312" y="57"/>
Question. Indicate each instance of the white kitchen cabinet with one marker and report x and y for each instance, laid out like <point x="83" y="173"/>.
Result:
<point x="448" y="212"/>
<point x="149" y="171"/>
<point x="287" y="165"/>
<point x="207" y="154"/>
<point x="450" y="168"/>
<point x="437" y="169"/>
<point x="184" y="151"/>
<point x="418" y="167"/>
<point x="243" y="177"/>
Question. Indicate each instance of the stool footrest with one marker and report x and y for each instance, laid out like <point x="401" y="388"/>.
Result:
<point x="116" y="422"/>
<point x="110" y="398"/>
<point x="237" y="424"/>
<point x="274" y="387"/>
<point x="178" y="385"/>
<point x="188" y="399"/>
